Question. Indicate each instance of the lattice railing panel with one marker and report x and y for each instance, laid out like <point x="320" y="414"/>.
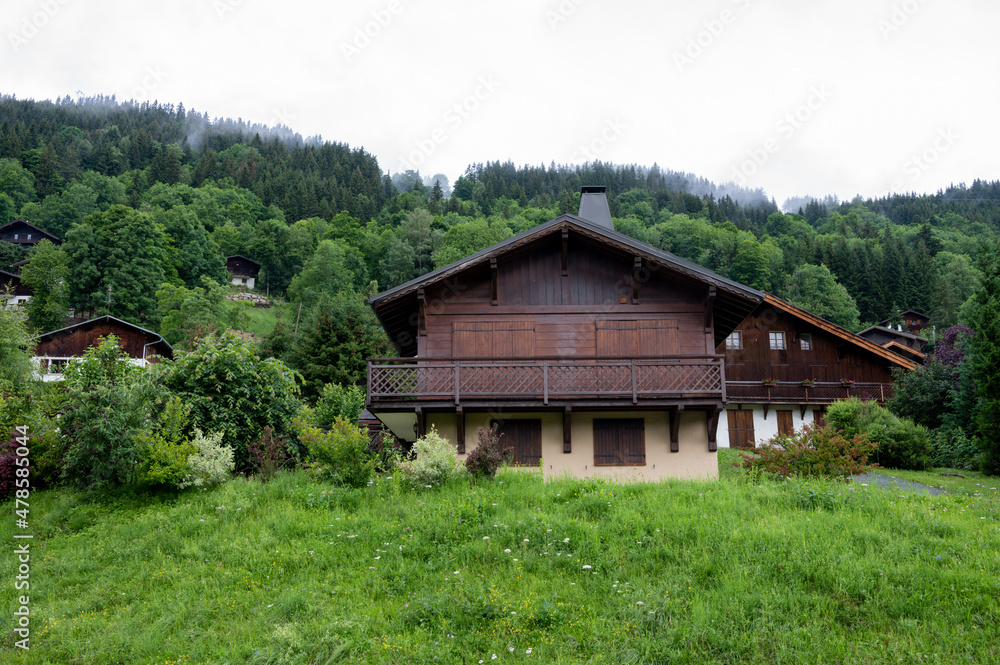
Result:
<point x="673" y="378"/>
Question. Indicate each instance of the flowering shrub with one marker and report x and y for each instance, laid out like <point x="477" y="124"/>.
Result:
<point x="342" y="452"/>
<point x="212" y="464"/>
<point x="268" y="454"/>
<point x="489" y="455"/>
<point x="812" y="451"/>
<point x="433" y="461"/>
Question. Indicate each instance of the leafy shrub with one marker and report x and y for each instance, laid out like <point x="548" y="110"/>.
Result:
<point x="954" y="449"/>
<point x="433" y="461"/>
<point x="387" y="453"/>
<point x="337" y="401"/>
<point x="489" y="455"/>
<point x="342" y="452"/>
<point x="211" y="464"/>
<point x="9" y="465"/>
<point x="268" y="455"/>
<point x="902" y="444"/>
<point x="166" y="450"/>
<point x="812" y="451"/>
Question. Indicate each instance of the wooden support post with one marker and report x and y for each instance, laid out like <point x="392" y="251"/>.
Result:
<point x="568" y="429"/>
<point x="565" y="252"/>
<point x="636" y="271"/>
<point x="460" y="426"/>
<point x="802" y="410"/>
<point x="421" y="313"/>
<point x="675" y="429"/>
<point x="494" y="282"/>
<point x="421" y="422"/>
<point x="713" y="429"/>
<point x="710" y="321"/>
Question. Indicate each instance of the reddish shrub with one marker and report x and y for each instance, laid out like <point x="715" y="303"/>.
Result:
<point x="813" y="451"/>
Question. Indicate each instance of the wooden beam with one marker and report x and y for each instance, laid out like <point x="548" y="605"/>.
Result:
<point x="421" y="313"/>
<point x="802" y="412"/>
<point x="565" y="252"/>
<point x="675" y="429"/>
<point x="709" y="308"/>
<point x="421" y="422"/>
<point x="460" y="426"/>
<point x="767" y="405"/>
<point x="636" y="270"/>
<point x="494" y="282"/>
<point x="713" y="429"/>
<point x="568" y="429"/>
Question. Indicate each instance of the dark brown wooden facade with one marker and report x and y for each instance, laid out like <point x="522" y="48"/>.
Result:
<point x="566" y="317"/>
<point x="21" y="232"/>
<point x="241" y="266"/>
<point x="71" y="342"/>
<point x="913" y="321"/>
<point x="10" y="284"/>
<point x="903" y="343"/>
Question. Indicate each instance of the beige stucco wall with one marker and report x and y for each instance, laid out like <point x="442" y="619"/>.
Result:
<point x="693" y="460"/>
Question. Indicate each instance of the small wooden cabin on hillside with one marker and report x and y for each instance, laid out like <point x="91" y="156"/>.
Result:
<point x="591" y="350"/>
<point x="784" y="366"/>
<point x="242" y="271"/>
<point x="21" y="232"/>
<point x="12" y="292"/>
<point x="905" y="344"/>
<point x="913" y="321"/>
<point x="55" y="349"/>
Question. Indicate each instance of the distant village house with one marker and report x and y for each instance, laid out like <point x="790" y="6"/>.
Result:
<point x="21" y="232"/>
<point x="242" y="271"/>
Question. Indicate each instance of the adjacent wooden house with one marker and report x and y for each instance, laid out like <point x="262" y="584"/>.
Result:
<point x="55" y="349"/>
<point x="785" y="365"/>
<point x="913" y="321"/>
<point x="905" y="344"/>
<point x="242" y="271"/>
<point x="13" y="293"/>
<point x="592" y="351"/>
<point x="21" y="232"/>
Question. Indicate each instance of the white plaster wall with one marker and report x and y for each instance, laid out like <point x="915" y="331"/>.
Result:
<point x="765" y="428"/>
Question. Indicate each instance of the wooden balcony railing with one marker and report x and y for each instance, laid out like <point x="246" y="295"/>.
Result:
<point x="544" y="379"/>
<point x="795" y="392"/>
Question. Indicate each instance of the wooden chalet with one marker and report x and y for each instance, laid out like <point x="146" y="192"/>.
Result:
<point x="53" y="350"/>
<point x="21" y="232"/>
<point x="242" y="271"/>
<point x="590" y="349"/>
<point x="913" y="321"/>
<point x="905" y="344"/>
<point x="13" y="293"/>
<point x="785" y="365"/>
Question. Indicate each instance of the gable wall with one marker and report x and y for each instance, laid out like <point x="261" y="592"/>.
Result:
<point x="73" y="343"/>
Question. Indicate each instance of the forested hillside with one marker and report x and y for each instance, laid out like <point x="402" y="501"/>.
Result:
<point x="150" y="198"/>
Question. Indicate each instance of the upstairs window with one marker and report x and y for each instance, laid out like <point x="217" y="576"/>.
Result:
<point x="735" y="340"/>
<point x="806" y="341"/>
<point x="777" y="339"/>
<point x="29" y="236"/>
<point x="16" y="236"/>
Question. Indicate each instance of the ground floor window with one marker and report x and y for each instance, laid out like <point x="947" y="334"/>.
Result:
<point x="523" y="438"/>
<point x="619" y="441"/>
<point x="785" y="425"/>
<point x="741" y="429"/>
<point x="819" y="417"/>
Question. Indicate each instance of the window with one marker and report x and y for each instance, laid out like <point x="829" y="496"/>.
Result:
<point x="493" y="339"/>
<point x="740" y="429"/>
<point x="819" y="417"/>
<point x="524" y="438"/>
<point x="806" y="341"/>
<point x="735" y="340"/>
<point x="777" y="339"/>
<point x="785" y="425"/>
<point x="619" y="442"/>
<point x="628" y="339"/>
<point x="29" y="236"/>
<point x="16" y="236"/>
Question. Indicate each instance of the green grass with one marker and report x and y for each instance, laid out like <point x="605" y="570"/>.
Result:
<point x="971" y="483"/>
<point x="259" y="320"/>
<point x="295" y="571"/>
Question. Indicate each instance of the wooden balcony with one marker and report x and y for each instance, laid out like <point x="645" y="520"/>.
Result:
<point x="410" y="382"/>
<point x="794" y="392"/>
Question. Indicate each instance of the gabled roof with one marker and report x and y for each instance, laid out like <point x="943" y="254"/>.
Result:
<point x="237" y="256"/>
<point x="89" y="322"/>
<point x="904" y="350"/>
<point x="891" y="331"/>
<point x="734" y="301"/>
<point x="837" y="331"/>
<point x="44" y="233"/>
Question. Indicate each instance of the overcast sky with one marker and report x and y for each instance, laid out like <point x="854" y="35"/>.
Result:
<point x="796" y="97"/>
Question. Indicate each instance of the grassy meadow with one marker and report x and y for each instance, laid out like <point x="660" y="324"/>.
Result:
<point x="740" y="570"/>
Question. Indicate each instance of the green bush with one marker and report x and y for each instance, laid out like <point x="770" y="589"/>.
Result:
<point x="812" y="451"/>
<point x="488" y="456"/>
<point x="166" y="450"/>
<point x="269" y="454"/>
<point x="211" y="464"/>
<point x="342" y="452"/>
<point x="952" y="448"/>
<point x="902" y="444"/>
<point x="433" y="461"/>
<point x="337" y="401"/>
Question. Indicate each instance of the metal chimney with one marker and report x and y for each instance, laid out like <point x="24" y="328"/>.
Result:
<point x="594" y="206"/>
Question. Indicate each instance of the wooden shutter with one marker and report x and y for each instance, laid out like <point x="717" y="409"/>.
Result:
<point x="785" y="423"/>
<point x="619" y="442"/>
<point x="819" y="417"/>
<point x="493" y="339"/>
<point x="628" y="339"/>
<point x="523" y="438"/>
<point x="741" y="433"/>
